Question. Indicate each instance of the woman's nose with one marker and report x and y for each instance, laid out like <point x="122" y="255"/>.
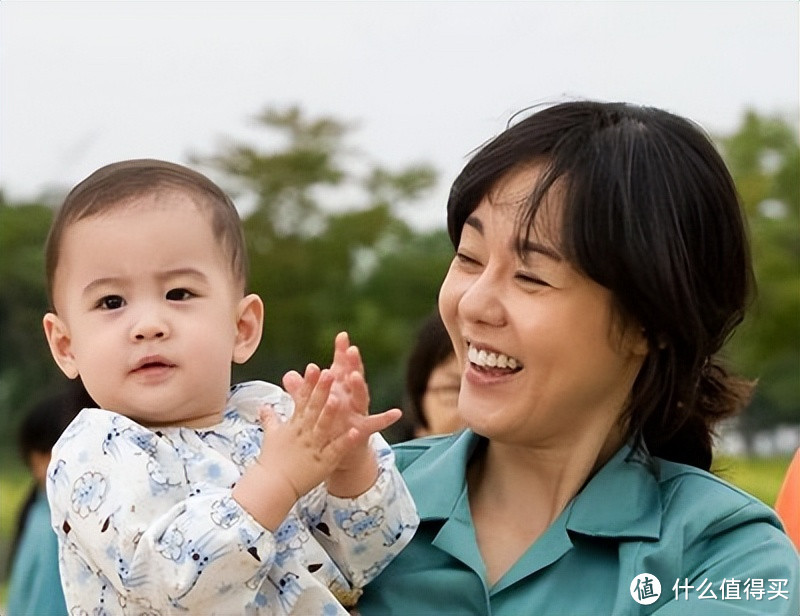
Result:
<point x="482" y="301"/>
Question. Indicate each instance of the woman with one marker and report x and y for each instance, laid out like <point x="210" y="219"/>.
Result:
<point x="433" y="378"/>
<point x="601" y="263"/>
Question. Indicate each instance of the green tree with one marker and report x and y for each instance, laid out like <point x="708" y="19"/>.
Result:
<point x="328" y="250"/>
<point x="764" y="158"/>
<point x="25" y="364"/>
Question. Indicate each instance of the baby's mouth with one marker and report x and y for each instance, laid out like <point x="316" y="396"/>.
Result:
<point x="151" y="363"/>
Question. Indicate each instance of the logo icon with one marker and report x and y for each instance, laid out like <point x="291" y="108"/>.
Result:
<point x="645" y="588"/>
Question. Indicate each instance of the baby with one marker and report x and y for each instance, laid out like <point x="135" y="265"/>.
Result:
<point x="164" y="500"/>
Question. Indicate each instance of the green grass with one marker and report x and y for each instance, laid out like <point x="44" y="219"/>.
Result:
<point x="761" y="477"/>
<point x="14" y="485"/>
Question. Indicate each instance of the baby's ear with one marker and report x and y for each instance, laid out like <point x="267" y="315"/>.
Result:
<point x="249" y="323"/>
<point x="57" y="334"/>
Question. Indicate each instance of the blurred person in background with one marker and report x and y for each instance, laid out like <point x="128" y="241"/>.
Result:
<point x="433" y="379"/>
<point x="35" y="586"/>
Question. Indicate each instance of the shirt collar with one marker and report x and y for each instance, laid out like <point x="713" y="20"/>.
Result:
<point x="437" y="478"/>
<point x="621" y="500"/>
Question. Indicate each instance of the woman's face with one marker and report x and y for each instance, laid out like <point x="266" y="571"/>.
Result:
<point x="543" y="357"/>
<point x="440" y="400"/>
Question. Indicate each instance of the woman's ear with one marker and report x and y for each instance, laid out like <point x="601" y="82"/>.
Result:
<point x="57" y="334"/>
<point x="637" y="342"/>
<point x="249" y="323"/>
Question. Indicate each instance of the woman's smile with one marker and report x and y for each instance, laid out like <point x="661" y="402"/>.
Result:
<point x="491" y="361"/>
<point x="540" y="348"/>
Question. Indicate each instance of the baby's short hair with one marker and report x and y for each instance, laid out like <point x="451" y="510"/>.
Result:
<point x="116" y="184"/>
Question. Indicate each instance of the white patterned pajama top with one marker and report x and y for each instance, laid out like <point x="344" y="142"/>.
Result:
<point x="146" y="523"/>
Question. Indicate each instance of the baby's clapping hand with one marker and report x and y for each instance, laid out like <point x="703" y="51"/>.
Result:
<point x="297" y="454"/>
<point x="349" y="399"/>
<point x="308" y="446"/>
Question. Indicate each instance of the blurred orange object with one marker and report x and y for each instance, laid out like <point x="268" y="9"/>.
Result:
<point x="787" y="505"/>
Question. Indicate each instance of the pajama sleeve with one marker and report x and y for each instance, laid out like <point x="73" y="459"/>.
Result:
<point x="367" y="532"/>
<point x="363" y="534"/>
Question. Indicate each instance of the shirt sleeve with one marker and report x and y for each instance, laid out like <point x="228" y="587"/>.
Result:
<point x="125" y="524"/>
<point x="363" y="534"/>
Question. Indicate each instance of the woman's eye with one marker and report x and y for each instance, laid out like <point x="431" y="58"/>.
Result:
<point x="465" y="259"/>
<point x="178" y="295"/>
<point x="111" y="302"/>
<point x="530" y="279"/>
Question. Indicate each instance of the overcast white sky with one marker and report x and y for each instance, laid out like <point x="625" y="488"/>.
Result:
<point x="86" y="83"/>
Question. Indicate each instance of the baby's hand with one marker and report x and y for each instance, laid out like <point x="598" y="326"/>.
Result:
<point x="311" y="443"/>
<point x="357" y="469"/>
<point x="298" y="454"/>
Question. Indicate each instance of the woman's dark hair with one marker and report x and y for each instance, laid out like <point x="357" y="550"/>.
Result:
<point x="41" y="427"/>
<point x="650" y="212"/>
<point x="433" y="347"/>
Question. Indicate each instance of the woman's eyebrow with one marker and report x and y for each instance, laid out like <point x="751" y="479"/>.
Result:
<point x="475" y="223"/>
<point x="527" y="245"/>
<point x="531" y="246"/>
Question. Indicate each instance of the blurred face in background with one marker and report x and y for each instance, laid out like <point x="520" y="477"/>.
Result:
<point x="440" y="402"/>
<point x="37" y="462"/>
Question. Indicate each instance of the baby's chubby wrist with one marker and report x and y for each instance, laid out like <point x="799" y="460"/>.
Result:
<point x="266" y="494"/>
<point x="355" y="475"/>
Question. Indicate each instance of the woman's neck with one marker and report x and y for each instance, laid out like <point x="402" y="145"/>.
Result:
<point x="551" y="475"/>
<point x="516" y="492"/>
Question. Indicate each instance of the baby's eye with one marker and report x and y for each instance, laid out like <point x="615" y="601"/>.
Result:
<point x="111" y="302"/>
<point x="179" y="295"/>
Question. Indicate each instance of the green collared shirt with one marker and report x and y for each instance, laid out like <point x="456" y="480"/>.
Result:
<point x="714" y="549"/>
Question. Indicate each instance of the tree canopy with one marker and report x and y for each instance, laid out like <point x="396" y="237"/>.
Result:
<point x="330" y="251"/>
<point x="764" y="158"/>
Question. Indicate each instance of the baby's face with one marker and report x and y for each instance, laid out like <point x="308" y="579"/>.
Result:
<point x="148" y="306"/>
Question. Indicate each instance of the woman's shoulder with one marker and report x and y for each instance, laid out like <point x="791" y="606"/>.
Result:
<point x="702" y="505"/>
<point x="682" y="485"/>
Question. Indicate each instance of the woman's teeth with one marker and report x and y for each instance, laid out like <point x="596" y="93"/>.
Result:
<point x="492" y="360"/>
